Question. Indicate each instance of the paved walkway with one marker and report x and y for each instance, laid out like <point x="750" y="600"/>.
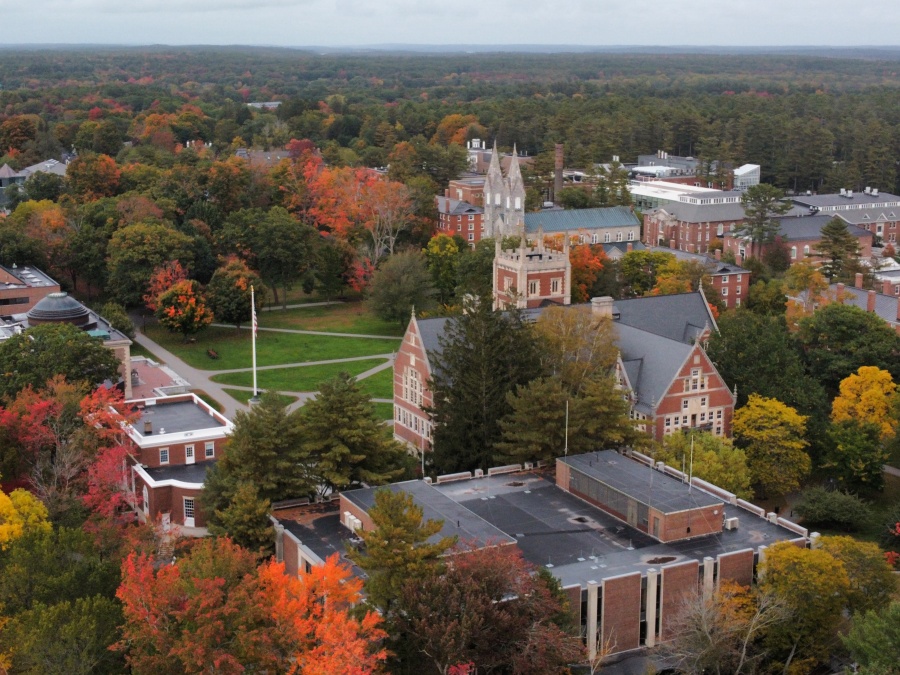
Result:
<point x="202" y="379"/>
<point x="891" y="471"/>
<point x="311" y="332"/>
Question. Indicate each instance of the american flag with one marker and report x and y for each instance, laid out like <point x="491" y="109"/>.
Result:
<point x="253" y="321"/>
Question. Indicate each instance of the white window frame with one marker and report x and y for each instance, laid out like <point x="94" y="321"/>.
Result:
<point x="164" y="455"/>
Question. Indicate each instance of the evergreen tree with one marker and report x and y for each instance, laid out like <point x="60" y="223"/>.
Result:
<point x="266" y="449"/>
<point x="401" y="283"/>
<point x="836" y="248"/>
<point x="762" y="207"/>
<point x="347" y="443"/>
<point x="397" y="548"/>
<point x="484" y="356"/>
<point x="246" y="519"/>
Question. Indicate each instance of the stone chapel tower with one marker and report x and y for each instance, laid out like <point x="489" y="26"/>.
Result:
<point x="504" y="197"/>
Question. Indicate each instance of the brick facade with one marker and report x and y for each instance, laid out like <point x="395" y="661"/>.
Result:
<point x="679" y="582"/>
<point x="620" y="612"/>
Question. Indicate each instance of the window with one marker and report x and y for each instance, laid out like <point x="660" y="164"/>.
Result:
<point x="668" y="421"/>
<point x="703" y="402"/>
<point x="724" y="292"/>
<point x="806" y="250"/>
<point x="471" y="217"/>
<point x="695" y="379"/>
<point x="518" y="203"/>
<point x="595" y="238"/>
<point x="630" y="235"/>
<point x="188" y="508"/>
<point x="554" y="286"/>
<point x="497" y="198"/>
<point x="210" y="449"/>
<point x="739" y="277"/>
<point x="163" y="455"/>
<point x="793" y="252"/>
<point x="684" y="404"/>
<point x="684" y="421"/>
<point x="412" y="386"/>
<point x="532" y="288"/>
<point x="718" y="414"/>
<point x="737" y="291"/>
<point x="471" y="227"/>
<point x="471" y="236"/>
<point x="606" y="237"/>
<point x="619" y="235"/>
<point x="507" y="283"/>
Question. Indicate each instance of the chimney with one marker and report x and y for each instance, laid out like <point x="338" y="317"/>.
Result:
<point x="858" y="282"/>
<point x="840" y="293"/>
<point x="629" y="247"/>
<point x="148" y="427"/>
<point x="558" y="171"/>
<point x="602" y="306"/>
<point x="870" y="303"/>
<point x="887" y="287"/>
<point x="718" y="254"/>
<point x="672" y="244"/>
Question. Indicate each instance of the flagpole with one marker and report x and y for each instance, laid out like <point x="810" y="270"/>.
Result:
<point x="255" y="398"/>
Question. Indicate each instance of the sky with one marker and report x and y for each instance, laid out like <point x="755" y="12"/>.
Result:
<point x="300" y="23"/>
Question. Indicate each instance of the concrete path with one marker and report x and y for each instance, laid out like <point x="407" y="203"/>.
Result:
<point x="891" y="471"/>
<point x="302" y="305"/>
<point x="202" y="379"/>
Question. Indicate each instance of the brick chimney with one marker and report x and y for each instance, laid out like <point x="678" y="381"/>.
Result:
<point x="558" y="171"/>
<point x="602" y="306"/>
<point x="148" y="427"/>
<point x="738" y="260"/>
<point x="898" y="310"/>
<point x="629" y="247"/>
<point x="870" y="301"/>
<point x="858" y="282"/>
<point x="718" y="254"/>
<point x="887" y="287"/>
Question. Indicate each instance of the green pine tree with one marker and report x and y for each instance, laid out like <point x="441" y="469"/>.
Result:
<point x="836" y="248"/>
<point x="245" y="519"/>
<point x="349" y="445"/>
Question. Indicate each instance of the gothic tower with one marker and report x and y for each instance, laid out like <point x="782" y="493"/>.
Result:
<point x="504" y="197"/>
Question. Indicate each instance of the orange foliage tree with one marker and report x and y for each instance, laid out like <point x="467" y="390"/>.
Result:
<point x="182" y="309"/>
<point x="93" y="177"/>
<point x="163" y="278"/>
<point x="214" y="610"/>
<point x="587" y="261"/>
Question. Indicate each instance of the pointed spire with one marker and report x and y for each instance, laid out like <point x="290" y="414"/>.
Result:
<point x="515" y="174"/>
<point x="540" y="238"/>
<point x="494" y="167"/>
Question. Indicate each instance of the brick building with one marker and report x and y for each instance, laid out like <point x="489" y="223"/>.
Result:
<point x="22" y="287"/>
<point x="691" y="224"/>
<point x="171" y="447"/>
<point x="731" y="282"/>
<point x="627" y="539"/>
<point x="529" y="277"/>
<point x="467" y="189"/>
<point x="461" y="218"/>
<point x="671" y="383"/>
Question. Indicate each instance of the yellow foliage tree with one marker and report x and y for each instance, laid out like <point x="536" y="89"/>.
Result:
<point x="772" y="434"/>
<point x="20" y="512"/>
<point x="868" y="395"/>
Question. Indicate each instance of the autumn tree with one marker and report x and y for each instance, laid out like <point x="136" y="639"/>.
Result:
<point x="870" y="395"/>
<point x="712" y="458"/>
<point x="348" y="445"/>
<point x="398" y="548"/>
<point x="90" y="176"/>
<point x="587" y="262"/>
<point x="838" y="339"/>
<point x="721" y="633"/>
<point x="20" y="513"/>
<point x="443" y="255"/>
<point x="41" y="352"/>
<point x="762" y="208"/>
<point x="389" y="211"/>
<point x="493" y="611"/>
<point x="639" y="270"/>
<point x="229" y="292"/>
<point x="182" y="309"/>
<point x="162" y="279"/>
<point x="402" y="283"/>
<point x="136" y="251"/>
<point x="773" y="436"/>
<point x="872" y="582"/>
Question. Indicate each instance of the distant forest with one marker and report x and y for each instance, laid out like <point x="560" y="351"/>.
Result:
<point x="811" y="122"/>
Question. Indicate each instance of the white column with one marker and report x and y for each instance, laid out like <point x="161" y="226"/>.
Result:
<point x="709" y="566"/>
<point x="592" y="621"/>
<point x="650" y="609"/>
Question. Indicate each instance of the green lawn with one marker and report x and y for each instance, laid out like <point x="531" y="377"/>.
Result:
<point x="384" y="411"/>
<point x="349" y="317"/>
<point x="244" y="396"/>
<point x="209" y="400"/>
<point x="272" y="349"/>
<point x="300" y="378"/>
<point x="379" y="385"/>
<point x="138" y="350"/>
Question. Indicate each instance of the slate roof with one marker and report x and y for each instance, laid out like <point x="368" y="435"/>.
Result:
<point x="864" y="216"/>
<point x="581" y="219"/>
<point x="616" y="250"/>
<point x="682" y="317"/>
<point x="704" y="213"/>
<point x="456" y="207"/>
<point x="47" y="166"/>
<point x="885" y="305"/>
<point x="651" y="363"/>
<point x="810" y="227"/>
<point x="6" y="171"/>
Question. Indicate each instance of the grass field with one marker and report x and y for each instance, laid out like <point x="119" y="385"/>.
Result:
<point x="350" y="317"/>
<point x="138" y="350"/>
<point x="301" y="378"/>
<point x="209" y="400"/>
<point x="385" y="411"/>
<point x="379" y="385"/>
<point x="244" y="396"/>
<point x="272" y="349"/>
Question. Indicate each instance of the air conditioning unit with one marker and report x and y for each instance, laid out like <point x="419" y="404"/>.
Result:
<point x="731" y="523"/>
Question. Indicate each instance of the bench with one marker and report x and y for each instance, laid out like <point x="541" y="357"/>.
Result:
<point x="212" y="353"/>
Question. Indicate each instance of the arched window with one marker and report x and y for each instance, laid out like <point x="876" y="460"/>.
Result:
<point x="793" y="252"/>
<point x="806" y="250"/>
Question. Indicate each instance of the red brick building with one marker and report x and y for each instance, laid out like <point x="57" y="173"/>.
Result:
<point x="529" y="277"/>
<point x="692" y="225"/>
<point x="469" y="189"/>
<point x="22" y="287"/>
<point x="171" y="446"/>
<point x="461" y="218"/>
<point x="731" y="282"/>
<point x="671" y="383"/>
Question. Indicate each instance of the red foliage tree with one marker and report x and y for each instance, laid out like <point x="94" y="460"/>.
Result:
<point x="587" y="261"/>
<point x="162" y="279"/>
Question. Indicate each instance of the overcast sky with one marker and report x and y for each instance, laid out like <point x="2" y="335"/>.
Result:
<point x="373" y="22"/>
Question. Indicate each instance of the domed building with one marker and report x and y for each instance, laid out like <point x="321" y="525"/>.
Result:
<point x="60" y="307"/>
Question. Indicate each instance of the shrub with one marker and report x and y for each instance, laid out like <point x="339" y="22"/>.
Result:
<point x="840" y="510"/>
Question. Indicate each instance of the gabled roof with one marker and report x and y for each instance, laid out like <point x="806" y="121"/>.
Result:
<point x="714" y="266"/>
<point x="651" y="363"/>
<point x="810" y="227"/>
<point x="885" y="305"/>
<point x="6" y="171"/>
<point x="456" y="207"/>
<point x="581" y="219"/>
<point x="682" y="317"/>
<point x="865" y="216"/>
